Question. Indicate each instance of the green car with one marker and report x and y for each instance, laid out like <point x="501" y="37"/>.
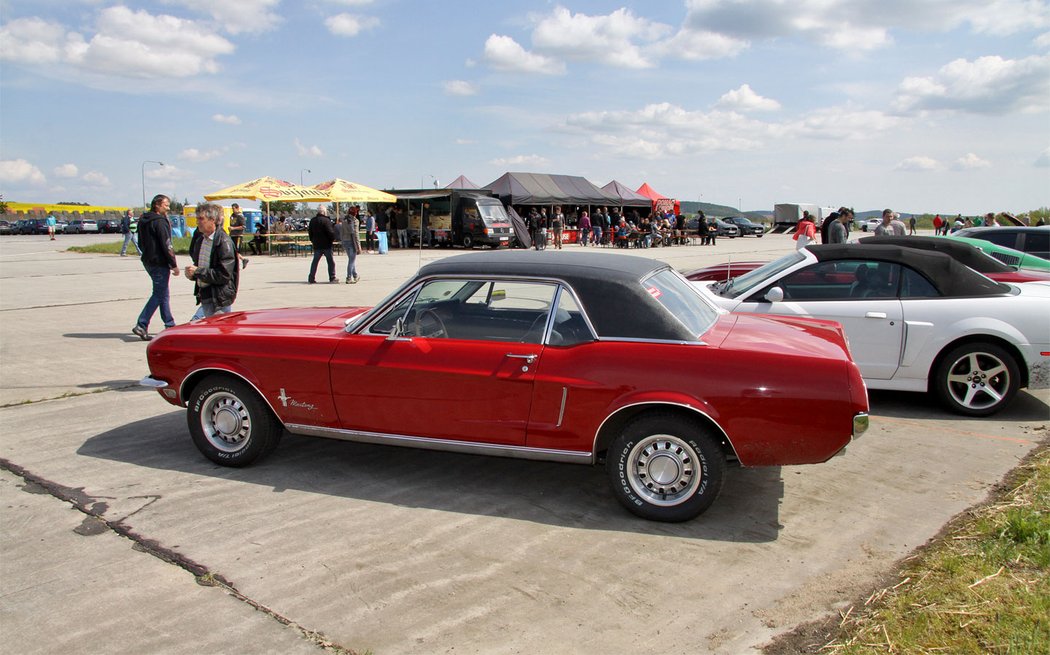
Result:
<point x="1008" y="256"/>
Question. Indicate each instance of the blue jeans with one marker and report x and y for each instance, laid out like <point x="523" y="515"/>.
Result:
<point x="597" y="232"/>
<point x="160" y="275"/>
<point x="207" y="308"/>
<point x="327" y="254"/>
<point x="129" y="238"/>
<point x="351" y="252"/>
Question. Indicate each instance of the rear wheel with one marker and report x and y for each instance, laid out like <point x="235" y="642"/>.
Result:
<point x="468" y="241"/>
<point x="977" y="379"/>
<point x="665" y="468"/>
<point x="229" y="422"/>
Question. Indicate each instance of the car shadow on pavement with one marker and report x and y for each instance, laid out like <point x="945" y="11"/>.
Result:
<point x="565" y="495"/>
<point x="902" y="404"/>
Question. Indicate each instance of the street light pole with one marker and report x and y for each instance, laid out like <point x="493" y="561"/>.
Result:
<point x="148" y="161"/>
<point x="301" y="171"/>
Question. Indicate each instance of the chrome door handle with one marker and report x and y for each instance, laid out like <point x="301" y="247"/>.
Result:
<point x="528" y="358"/>
<point x="875" y="315"/>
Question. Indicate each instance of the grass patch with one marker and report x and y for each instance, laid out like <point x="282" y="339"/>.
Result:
<point x="182" y="247"/>
<point x="983" y="587"/>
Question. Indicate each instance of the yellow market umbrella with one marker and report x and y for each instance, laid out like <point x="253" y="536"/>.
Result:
<point x="269" y="189"/>
<point x="338" y="190"/>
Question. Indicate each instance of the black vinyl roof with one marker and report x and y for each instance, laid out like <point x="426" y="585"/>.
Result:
<point x="608" y="286"/>
<point x="963" y="252"/>
<point x="949" y="276"/>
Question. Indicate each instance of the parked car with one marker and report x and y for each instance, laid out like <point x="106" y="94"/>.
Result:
<point x="1030" y="240"/>
<point x="869" y="225"/>
<point x="32" y="226"/>
<point x="746" y="226"/>
<point x="1008" y="256"/>
<point x="966" y="254"/>
<point x="81" y="225"/>
<point x="6" y="227"/>
<point x="916" y="320"/>
<point x="109" y="225"/>
<point x="727" y="229"/>
<point x="528" y="355"/>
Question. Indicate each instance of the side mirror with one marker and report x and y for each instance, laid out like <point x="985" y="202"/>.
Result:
<point x="398" y="330"/>
<point x="776" y="294"/>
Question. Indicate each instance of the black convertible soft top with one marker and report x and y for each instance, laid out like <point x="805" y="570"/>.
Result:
<point x="973" y="257"/>
<point x="950" y="277"/>
<point x="609" y="286"/>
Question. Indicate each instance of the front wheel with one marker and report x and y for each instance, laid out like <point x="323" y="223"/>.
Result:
<point x="229" y="423"/>
<point x="468" y="241"/>
<point x="977" y="379"/>
<point x="665" y="468"/>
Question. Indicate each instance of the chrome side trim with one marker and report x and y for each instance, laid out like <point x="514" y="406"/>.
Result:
<point x="641" y="340"/>
<point x="561" y="412"/>
<point x="447" y="445"/>
<point x="152" y="383"/>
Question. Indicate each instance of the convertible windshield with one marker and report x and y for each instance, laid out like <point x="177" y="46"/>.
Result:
<point x="677" y="295"/>
<point x="738" y="286"/>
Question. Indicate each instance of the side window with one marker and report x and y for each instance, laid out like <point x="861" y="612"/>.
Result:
<point x="1037" y="243"/>
<point x="914" y="285"/>
<point x="1006" y="239"/>
<point x="824" y="281"/>
<point x="570" y="328"/>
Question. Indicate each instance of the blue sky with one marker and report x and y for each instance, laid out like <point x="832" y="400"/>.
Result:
<point x="935" y="105"/>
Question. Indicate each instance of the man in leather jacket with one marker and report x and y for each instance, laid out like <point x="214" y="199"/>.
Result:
<point x="215" y="271"/>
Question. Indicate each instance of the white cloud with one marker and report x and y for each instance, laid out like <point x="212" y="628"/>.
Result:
<point x="197" y="156"/>
<point x="843" y="122"/>
<point x="745" y="99"/>
<point x="987" y="85"/>
<point x="350" y="24"/>
<point x="66" y="170"/>
<point x="307" y="151"/>
<point x="460" y="88"/>
<point x="96" y="178"/>
<point x="128" y="44"/>
<point x="609" y="39"/>
<point x="520" y="160"/>
<point x="505" y="54"/>
<point x="238" y="16"/>
<point x="970" y="162"/>
<point x="1042" y="41"/>
<point x="352" y="3"/>
<point x="465" y="142"/>
<point x="698" y="45"/>
<point x="19" y="171"/>
<point x="230" y="119"/>
<point x="1043" y="160"/>
<point x="917" y="163"/>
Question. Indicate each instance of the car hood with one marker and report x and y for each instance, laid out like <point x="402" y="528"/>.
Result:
<point x="301" y="317"/>
<point x="782" y="335"/>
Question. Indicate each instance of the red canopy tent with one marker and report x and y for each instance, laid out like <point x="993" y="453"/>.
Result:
<point x="661" y="203"/>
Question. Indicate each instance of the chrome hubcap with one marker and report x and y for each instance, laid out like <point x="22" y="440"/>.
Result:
<point x="978" y="380"/>
<point x="664" y="469"/>
<point x="226" y="422"/>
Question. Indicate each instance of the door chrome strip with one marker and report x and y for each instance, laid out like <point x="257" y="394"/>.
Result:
<point x="447" y="445"/>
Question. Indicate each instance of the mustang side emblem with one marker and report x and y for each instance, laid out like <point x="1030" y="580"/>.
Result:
<point x="285" y="399"/>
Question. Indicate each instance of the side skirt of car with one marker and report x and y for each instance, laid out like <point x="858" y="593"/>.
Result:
<point x="446" y="445"/>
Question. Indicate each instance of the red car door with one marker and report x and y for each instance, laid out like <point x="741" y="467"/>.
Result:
<point x="467" y="390"/>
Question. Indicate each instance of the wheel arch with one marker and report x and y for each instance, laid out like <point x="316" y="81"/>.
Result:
<point x="190" y="382"/>
<point x="615" y="423"/>
<point x="1022" y="365"/>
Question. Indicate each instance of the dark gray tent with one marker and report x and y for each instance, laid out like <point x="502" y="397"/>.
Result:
<point x="628" y="198"/>
<point x="542" y="189"/>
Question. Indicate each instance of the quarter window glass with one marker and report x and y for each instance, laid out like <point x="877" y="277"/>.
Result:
<point x="569" y="328"/>
<point x="915" y="285"/>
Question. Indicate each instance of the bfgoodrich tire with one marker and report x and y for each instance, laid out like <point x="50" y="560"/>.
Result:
<point x="665" y="468"/>
<point x="977" y="379"/>
<point x="229" y="423"/>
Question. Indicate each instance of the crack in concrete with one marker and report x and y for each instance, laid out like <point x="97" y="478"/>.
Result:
<point x="71" y="394"/>
<point x="94" y="523"/>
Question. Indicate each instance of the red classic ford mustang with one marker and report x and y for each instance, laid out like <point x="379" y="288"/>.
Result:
<point x="571" y="357"/>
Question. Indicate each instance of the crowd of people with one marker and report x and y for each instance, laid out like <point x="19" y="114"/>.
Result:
<point x="611" y="227"/>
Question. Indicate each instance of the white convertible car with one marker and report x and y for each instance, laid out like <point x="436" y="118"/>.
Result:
<point x="916" y="320"/>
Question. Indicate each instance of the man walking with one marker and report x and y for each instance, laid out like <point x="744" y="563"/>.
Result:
<point x="129" y="236"/>
<point x="215" y="271"/>
<point x="51" y="223"/>
<point x="322" y="236"/>
<point x="890" y="226"/>
<point x="158" y="257"/>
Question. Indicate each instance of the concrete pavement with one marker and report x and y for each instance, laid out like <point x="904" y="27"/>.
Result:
<point x="354" y="547"/>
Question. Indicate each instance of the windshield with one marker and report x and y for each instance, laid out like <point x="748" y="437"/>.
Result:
<point x="678" y="296"/>
<point x="493" y="213"/>
<point x="738" y="286"/>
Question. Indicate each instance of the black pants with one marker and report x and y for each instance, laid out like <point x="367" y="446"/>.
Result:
<point x="327" y="254"/>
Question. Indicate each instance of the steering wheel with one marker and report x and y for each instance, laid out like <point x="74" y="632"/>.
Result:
<point x="537" y="326"/>
<point x="428" y="324"/>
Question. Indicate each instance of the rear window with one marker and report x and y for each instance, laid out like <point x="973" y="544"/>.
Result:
<point x="678" y="296"/>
